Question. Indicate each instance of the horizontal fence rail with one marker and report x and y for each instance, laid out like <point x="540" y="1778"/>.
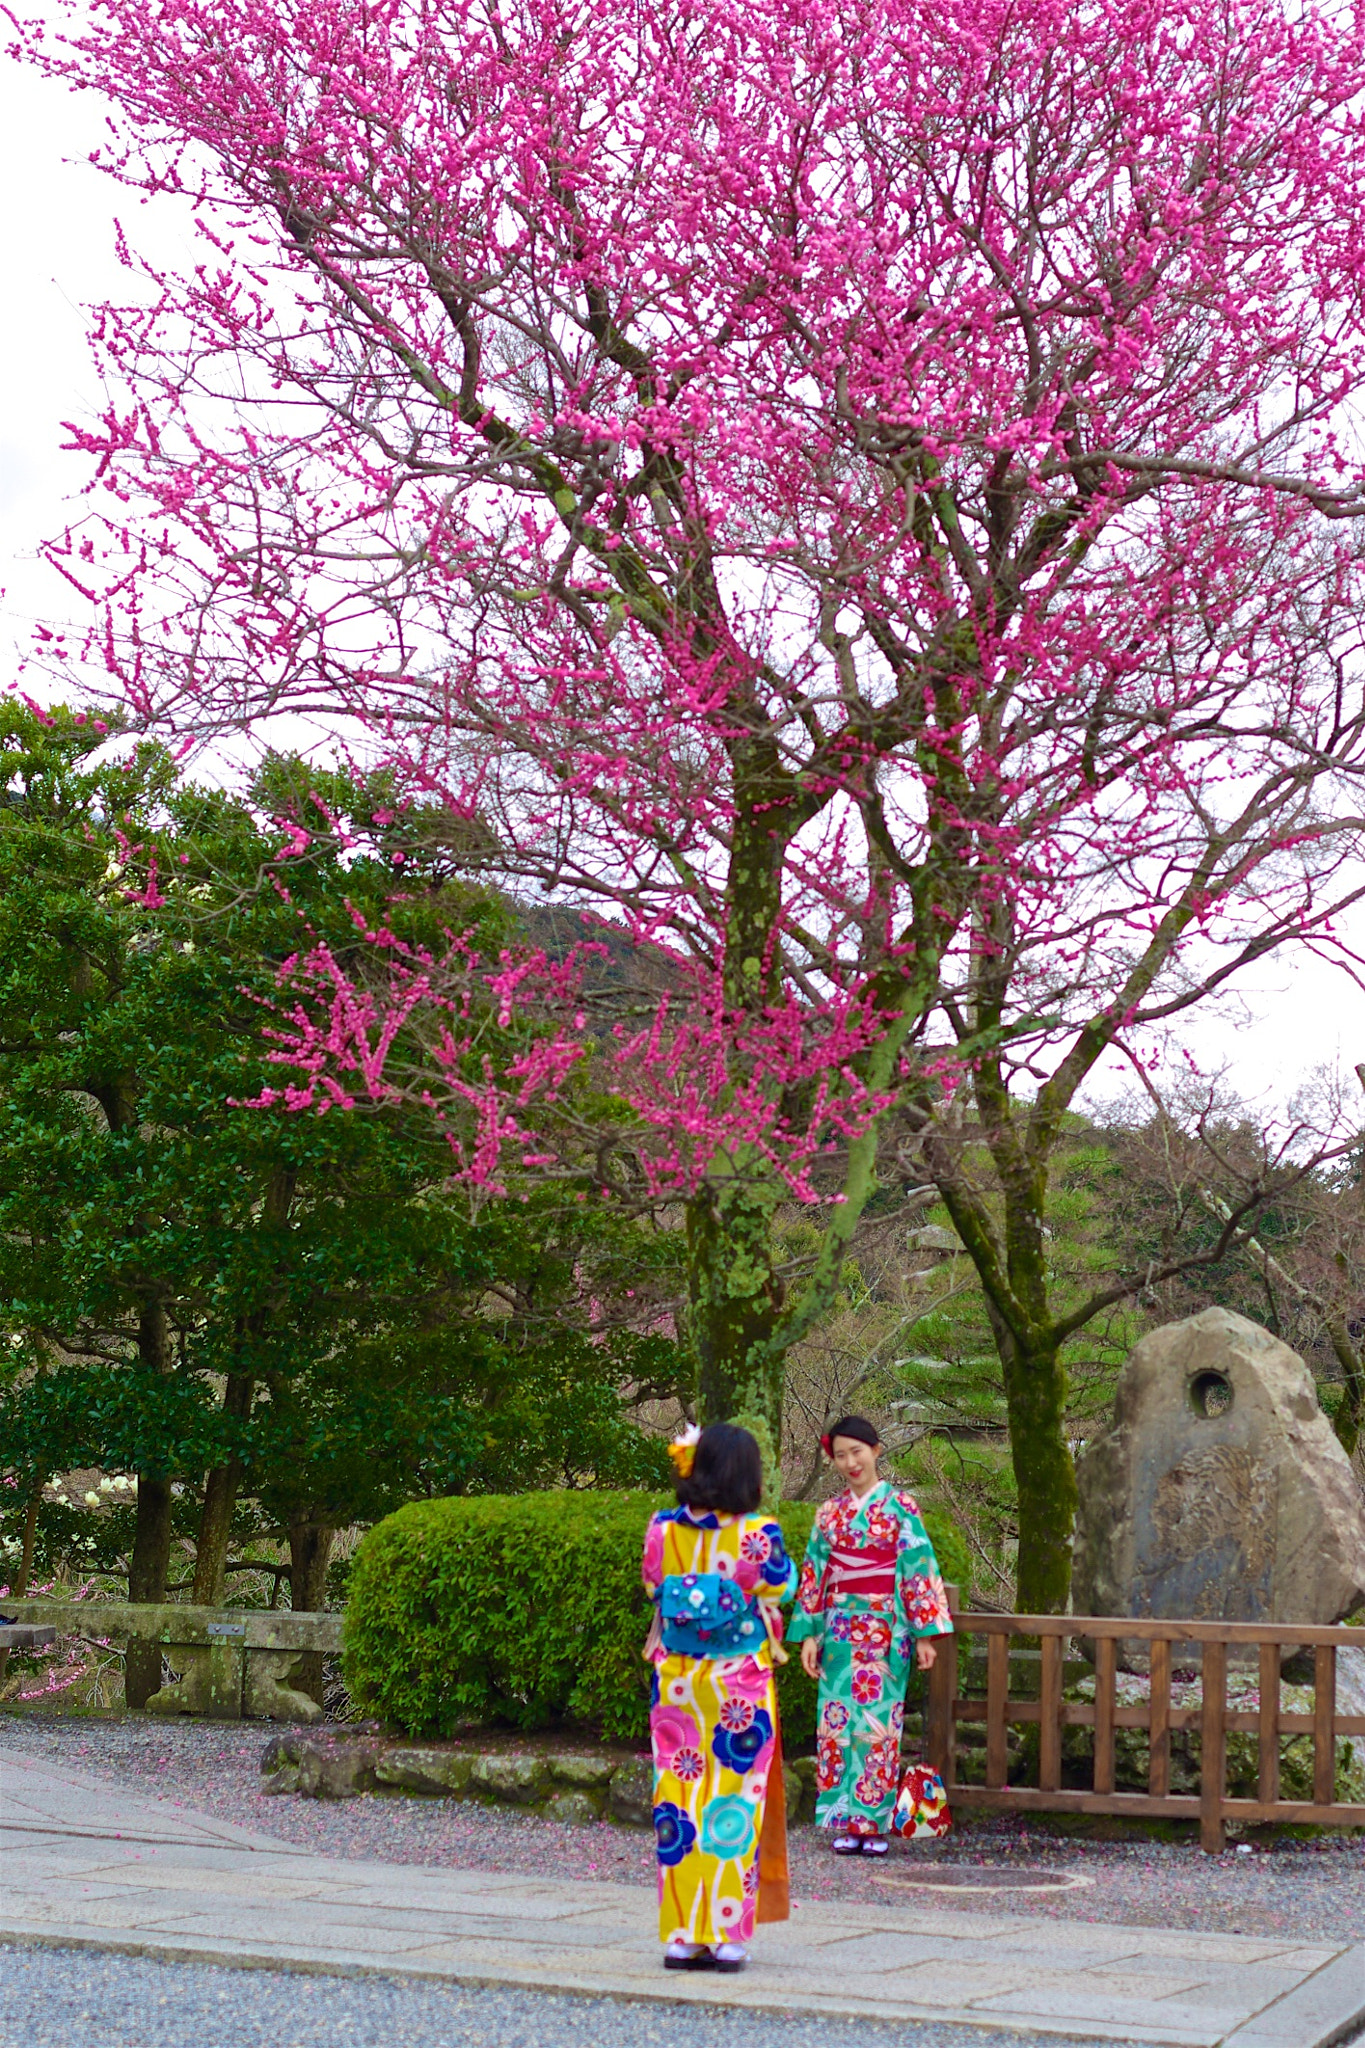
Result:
<point x="1204" y="1642"/>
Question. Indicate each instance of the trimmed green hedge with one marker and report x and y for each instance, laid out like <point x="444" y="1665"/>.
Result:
<point x="527" y="1610"/>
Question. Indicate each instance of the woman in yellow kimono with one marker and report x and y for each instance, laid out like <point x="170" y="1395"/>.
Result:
<point x="717" y="1571"/>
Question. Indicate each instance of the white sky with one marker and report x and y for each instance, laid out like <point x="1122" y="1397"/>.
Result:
<point x="57" y="254"/>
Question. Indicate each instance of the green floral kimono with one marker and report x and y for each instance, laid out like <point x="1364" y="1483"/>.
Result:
<point x="869" y="1585"/>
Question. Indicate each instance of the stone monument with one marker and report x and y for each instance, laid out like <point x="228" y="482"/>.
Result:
<point x="1218" y="1492"/>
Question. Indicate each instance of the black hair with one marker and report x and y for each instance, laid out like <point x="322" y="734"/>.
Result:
<point x="727" y="1472"/>
<point x="856" y="1426"/>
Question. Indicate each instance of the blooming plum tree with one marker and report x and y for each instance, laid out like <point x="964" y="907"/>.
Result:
<point x="828" y="492"/>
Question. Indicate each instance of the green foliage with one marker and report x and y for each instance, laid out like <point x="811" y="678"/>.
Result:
<point x="159" y="1236"/>
<point x="528" y="1611"/>
<point x="943" y="1376"/>
<point x="525" y="1610"/>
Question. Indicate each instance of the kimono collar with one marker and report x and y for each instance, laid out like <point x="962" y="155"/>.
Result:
<point x="861" y="1506"/>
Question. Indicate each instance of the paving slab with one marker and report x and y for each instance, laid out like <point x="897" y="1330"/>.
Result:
<point x="85" y="1865"/>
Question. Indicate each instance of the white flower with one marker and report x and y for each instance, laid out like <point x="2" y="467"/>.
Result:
<point x="92" y="1500"/>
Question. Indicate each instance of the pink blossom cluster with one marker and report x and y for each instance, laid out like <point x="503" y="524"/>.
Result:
<point x="845" y="498"/>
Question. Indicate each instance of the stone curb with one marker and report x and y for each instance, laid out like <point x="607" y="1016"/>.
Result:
<point x="574" y="1786"/>
<point x="728" y="1994"/>
<point x="1327" y="2008"/>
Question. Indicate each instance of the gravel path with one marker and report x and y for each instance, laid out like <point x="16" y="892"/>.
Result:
<point x="53" y="1998"/>
<point x="1311" y="1889"/>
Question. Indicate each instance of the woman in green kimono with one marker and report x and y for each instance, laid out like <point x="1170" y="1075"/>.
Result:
<point x="870" y="1600"/>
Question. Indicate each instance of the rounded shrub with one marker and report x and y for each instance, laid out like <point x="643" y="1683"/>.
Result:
<point x="527" y="1610"/>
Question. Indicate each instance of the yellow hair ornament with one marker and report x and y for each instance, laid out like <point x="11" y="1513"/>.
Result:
<point x="683" y="1450"/>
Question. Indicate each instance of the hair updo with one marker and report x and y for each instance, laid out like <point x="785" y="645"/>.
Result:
<point x="857" y="1427"/>
<point x="727" y="1472"/>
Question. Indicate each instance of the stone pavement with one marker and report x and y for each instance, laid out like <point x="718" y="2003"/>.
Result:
<point x="87" y="1866"/>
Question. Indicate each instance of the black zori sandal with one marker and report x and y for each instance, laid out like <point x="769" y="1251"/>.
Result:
<point x="688" y="1955"/>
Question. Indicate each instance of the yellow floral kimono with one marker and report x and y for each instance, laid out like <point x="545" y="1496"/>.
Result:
<point x="712" y="1725"/>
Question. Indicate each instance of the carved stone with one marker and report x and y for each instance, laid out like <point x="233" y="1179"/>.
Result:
<point x="210" y="1680"/>
<point x="267" y="1691"/>
<point x="1218" y="1492"/>
<point x="228" y="1661"/>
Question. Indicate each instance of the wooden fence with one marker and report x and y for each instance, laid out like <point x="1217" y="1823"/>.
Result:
<point x="947" y="1709"/>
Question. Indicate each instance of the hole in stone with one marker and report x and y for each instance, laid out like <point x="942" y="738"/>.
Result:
<point x="1210" y="1394"/>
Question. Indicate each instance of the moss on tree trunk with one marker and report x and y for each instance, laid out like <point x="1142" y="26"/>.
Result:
<point x="1044" y="1472"/>
<point x="734" y="1306"/>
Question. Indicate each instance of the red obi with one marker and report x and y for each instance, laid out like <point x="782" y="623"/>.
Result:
<point x="868" y="1572"/>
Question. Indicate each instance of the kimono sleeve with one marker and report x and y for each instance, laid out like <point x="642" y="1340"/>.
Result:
<point x="764" y="1545"/>
<point x="808" y="1618"/>
<point x="921" y="1602"/>
<point x="652" y="1563"/>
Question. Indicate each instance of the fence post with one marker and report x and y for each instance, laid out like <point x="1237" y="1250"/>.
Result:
<point x="1159" y="1720"/>
<point x="997" y="1693"/>
<point x="938" y="1714"/>
<point x="1324" y="1723"/>
<point x="1268" y="1730"/>
<point x="1213" y="1747"/>
<point x="1050" y="1714"/>
<point x="1106" y="1664"/>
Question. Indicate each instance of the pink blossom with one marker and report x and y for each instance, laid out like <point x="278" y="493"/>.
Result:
<point x="832" y="500"/>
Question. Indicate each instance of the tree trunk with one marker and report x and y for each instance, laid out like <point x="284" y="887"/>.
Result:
<point x="220" y="1498"/>
<point x="30" y="1540"/>
<point x="147" y="1582"/>
<point x="310" y="1550"/>
<point x="151" y="1556"/>
<point x="19" y="1589"/>
<point x="215" y="1528"/>
<point x="1347" y="1420"/>
<point x="735" y="1299"/>
<point x="1035" y="1396"/>
<point x="1016" y="1291"/>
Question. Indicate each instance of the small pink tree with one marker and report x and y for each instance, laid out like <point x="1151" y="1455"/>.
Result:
<point x="830" y="491"/>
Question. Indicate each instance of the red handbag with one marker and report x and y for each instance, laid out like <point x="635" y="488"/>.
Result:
<point x="921" y="1805"/>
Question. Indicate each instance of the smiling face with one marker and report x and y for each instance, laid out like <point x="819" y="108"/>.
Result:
<point x="856" y="1462"/>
